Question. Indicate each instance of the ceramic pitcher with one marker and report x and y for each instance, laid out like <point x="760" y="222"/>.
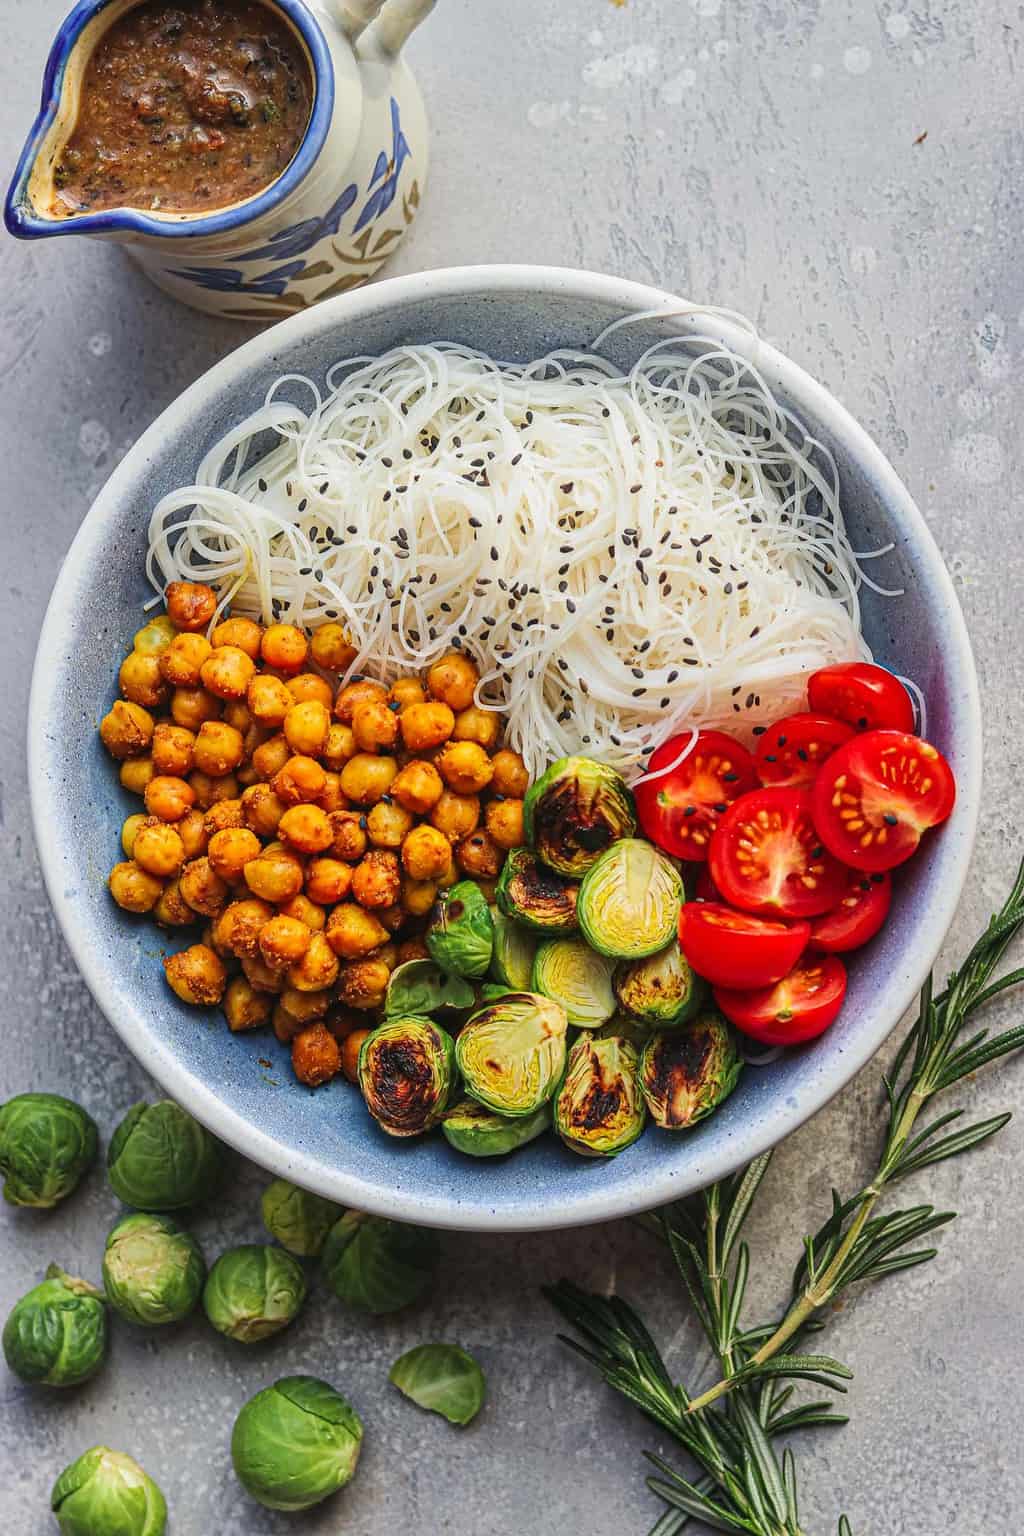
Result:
<point x="330" y="219"/>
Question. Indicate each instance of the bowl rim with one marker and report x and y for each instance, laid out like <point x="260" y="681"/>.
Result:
<point x="581" y="1205"/>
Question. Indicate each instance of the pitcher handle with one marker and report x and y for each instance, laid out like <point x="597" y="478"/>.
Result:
<point x="354" y="16"/>
<point x="398" y="19"/>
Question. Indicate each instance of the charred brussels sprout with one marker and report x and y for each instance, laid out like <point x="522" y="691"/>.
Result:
<point x="574" y="812"/>
<point x="421" y="987"/>
<point x="254" y="1291"/>
<point x="56" y="1335"/>
<point x="406" y="1072"/>
<point x="514" y="949"/>
<point x="686" y="1074"/>
<point x="511" y="1054"/>
<point x="534" y="895"/>
<point x="599" y="1109"/>
<point x="153" y="1272"/>
<point x="477" y="1131"/>
<point x="629" y="900"/>
<point x="46" y="1144"/>
<point x="571" y="973"/>
<point x="160" y="1158"/>
<point x="443" y="1379"/>
<point x="460" y="937"/>
<point x="296" y="1443"/>
<point x="106" y="1493"/>
<point x="378" y="1265"/>
<point x="661" y="990"/>
<point x="298" y="1219"/>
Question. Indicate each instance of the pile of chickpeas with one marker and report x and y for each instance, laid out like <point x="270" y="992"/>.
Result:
<point x="307" y="828"/>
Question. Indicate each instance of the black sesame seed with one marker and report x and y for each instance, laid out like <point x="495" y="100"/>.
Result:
<point x="891" y="820"/>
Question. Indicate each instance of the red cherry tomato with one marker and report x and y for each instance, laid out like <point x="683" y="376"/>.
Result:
<point x="766" y="857"/>
<point x="874" y="798"/>
<point x="867" y="697"/>
<point x="790" y="753"/>
<point x="679" y="810"/>
<point x="734" y="949"/>
<point x="857" y="918"/>
<point x="800" y="1006"/>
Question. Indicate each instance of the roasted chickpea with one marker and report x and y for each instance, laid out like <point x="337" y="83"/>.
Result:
<point x="300" y="781"/>
<point x="238" y="714"/>
<point x="366" y="778"/>
<point x="361" y="690"/>
<point x="126" y="730"/>
<point x="172" y="749"/>
<point x="350" y="839"/>
<point x="192" y="831"/>
<point x="262" y="810"/>
<point x="411" y="949"/>
<point x="284" y="647"/>
<point x="268" y="699"/>
<point x="286" y="1026"/>
<point x="456" y="815"/>
<point x="328" y="881"/>
<point x="172" y="910"/>
<point x="465" y="767"/>
<point x="129" y="831"/>
<point x="479" y="725"/>
<point x="330" y="797"/>
<point x="425" y="726"/>
<point x="283" y="942"/>
<point x="405" y="691"/>
<point x="339" y="746"/>
<point x="191" y="706"/>
<point x="479" y="857"/>
<point x="453" y="680"/>
<point x="376" y="879"/>
<point x="387" y="955"/>
<point x="332" y="648"/>
<point x="154" y="637"/>
<point x="418" y="896"/>
<point x="244" y="1007"/>
<point x="504" y="822"/>
<point x="310" y="687"/>
<point x="190" y="604"/>
<point x="239" y="926"/>
<point x="244" y="634"/>
<point x="451" y="874"/>
<point x="352" y="932"/>
<point x="141" y="680"/>
<point x="392" y="918"/>
<point x="306" y="828"/>
<point x="168" y="797"/>
<point x="316" y="1055"/>
<point x="230" y="850"/>
<point x="317" y="969"/>
<point x="276" y="875"/>
<point x="158" y="849"/>
<point x="210" y="790"/>
<point x="510" y="775"/>
<point x="225" y="814"/>
<point x="135" y="773"/>
<point x="304" y="1007"/>
<point x="226" y="672"/>
<point x="342" y="1021"/>
<point x="306" y="726"/>
<point x="306" y="911"/>
<point x="426" y="853"/>
<point x="258" y="973"/>
<point x="270" y="756"/>
<point x="218" y="750"/>
<point x="197" y="975"/>
<point x="203" y="888"/>
<point x="363" y="984"/>
<point x="182" y="663"/>
<point x="136" y="890"/>
<point x="350" y="1048"/>
<point x="418" y="787"/>
<point x="374" y="725"/>
<point x="387" y="824"/>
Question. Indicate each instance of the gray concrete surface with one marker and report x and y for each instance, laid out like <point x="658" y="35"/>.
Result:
<point x="768" y="156"/>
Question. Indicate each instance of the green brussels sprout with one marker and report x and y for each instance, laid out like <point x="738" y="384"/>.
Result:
<point x="420" y="987"/>
<point x="254" y="1291"/>
<point x="46" y="1145"/>
<point x="153" y="1272"/>
<point x="298" y="1219"/>
<point x="686" y="1074"/>
<point x="599" y="1109"/>
<point x="296" y="1443"/>
<point x="106" y="1493"/>
<point x="460" y="937"/>
<point x="660" y="990"/>
<point x="406" y="1073"/>
<point x="56" y="1335"/>
<point x="534" y="895"/>
<point x="378" y="1265"/>
<point x="472" y="1128"/>
<point x="511" y="1054"/>
<point x="491" y="991"/>
<point x="571" y="973"/>
<point x="160" y="1158"/>
<point x="629" y="900"/>
<point x="622" y="1027"/>
<point x="574" y="812"/>
<point x="514" y="949"/>
<point x="443" y="1379"/>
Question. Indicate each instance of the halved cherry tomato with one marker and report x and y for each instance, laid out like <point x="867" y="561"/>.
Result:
<point x="790" y="753"/>
<point x="679" y="810"/>
<point x="857" y="918"/>
<point x="766" y="857"/>
<point x="867" y="697"/>
<point x="734" y="949"/>
<point x="800" y="1006"/>
<point x="875" y="797"/>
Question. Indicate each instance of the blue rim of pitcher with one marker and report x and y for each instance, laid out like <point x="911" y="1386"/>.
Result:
<point x="25" y="224"/>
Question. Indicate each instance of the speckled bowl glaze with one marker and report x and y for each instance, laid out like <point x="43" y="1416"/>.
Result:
<point x="325" y="1140"/>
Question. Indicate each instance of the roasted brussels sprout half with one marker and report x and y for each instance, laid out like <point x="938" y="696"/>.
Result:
<point x="254" y="1291"/>
<point x="298" y="1219"/>
<point x="106" y="1493"/>
<point x="406" y="1072"/>
<point x="421" y="987"/>
<point x="511" y="1054"/>
<point x="534" y="895"/>
<point x="622" y="1027"/>
<point x="571" y="973"/>
<point x="599" y="1109"/>
<point x="629" y="900"/>
<point x="160" y="1159"/>
<point x="472" y="1128"/>
<point x="661" y="990"/>
<point x="296" y="1443"/>
<point x="514" y="949"/>
<point x="153" y="1272"/>
<point x="687" y="1073"/>
<point x="46" y="1144"/>
<point x="56" y="1335"/>
<point x="460" y="937"/>
<point x="574" y="812"/>
<point x="443" y="1379"/>
<point x="378" y="1265"/>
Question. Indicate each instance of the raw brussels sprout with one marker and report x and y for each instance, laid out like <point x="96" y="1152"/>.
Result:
<point x="443" y="1379"/>
<point x="460" y="937"/>
<point x="46" y="1144"/>
<point x="511" y="1054"/>
<point x="298" y="1219"/>
<point x="160" y="1158"/>
<point x="532" y="894"/>
<point x="514" y="949"/>
<point x="661" y="990"/>
<point x="571" y="973"/>
<point x="56" y="1334"/>
<point x="406" y="1073"/>
<point x="106" y="1493"/>
<point x="686" y="1074"/>
<point x="472" y="1128"/>
<point x="379" y="1265"/>
<point x="574" y="812"/>
<point x="254" y="1291"/>
<point x="599" y="1109"/>
<point x="296" y="1443"/>
<point x="421" y="987"/>
<point x="629" y="900"/>
<point x="491" y="991"/>
<point x="153" y="1272"/>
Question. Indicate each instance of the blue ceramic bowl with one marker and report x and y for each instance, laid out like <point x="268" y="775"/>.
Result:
<point x="325" y="1140"/>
